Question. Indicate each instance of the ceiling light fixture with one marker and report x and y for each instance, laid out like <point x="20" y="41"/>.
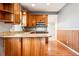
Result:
<point x="33" y="5"/>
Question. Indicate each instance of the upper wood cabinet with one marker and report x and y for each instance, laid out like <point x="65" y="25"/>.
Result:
<point x="6" y="7"/>
<point x="10" y="12"/>
<point x="1" y="6"/>
<point x="33" y="19"/>
<point x="17" y="10"/>
<point x="6" y="12"/>
<point x="42" y="18"/>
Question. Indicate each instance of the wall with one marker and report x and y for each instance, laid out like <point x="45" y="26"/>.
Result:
<point x="51" y="25"/>
<point x="68" y="17"/>
<point x="5" y="27"/>
<point x="68" y="26"/>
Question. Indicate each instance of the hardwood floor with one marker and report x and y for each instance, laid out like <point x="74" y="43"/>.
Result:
<point x="56" y="49"/>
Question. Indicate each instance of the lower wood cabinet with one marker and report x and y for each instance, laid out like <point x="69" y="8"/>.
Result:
<point x="12" y="47"/>
<point x="31" y="46"/>
<point x="25" y="46"/>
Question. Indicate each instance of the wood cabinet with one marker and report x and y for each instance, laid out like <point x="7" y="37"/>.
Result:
<point x="1" y="6"/>
<point x="30" y="46"/>
<point x="6" y="11"/>
<point x="26" y="49"/>
<point x="12" y="47"/>
<point x="17" y="9"/>
<point x="33" y="19"/>
<point x="42" y="18"/>
<point x="10" y="12"/>
<point x="33" y="47"/>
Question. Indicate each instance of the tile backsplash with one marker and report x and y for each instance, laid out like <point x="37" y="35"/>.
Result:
<point x="16" y="28"/>
<point x="4" y="27"/>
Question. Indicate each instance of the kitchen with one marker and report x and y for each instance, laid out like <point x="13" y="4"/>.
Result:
<point x="28" y="29"/>
<point x="20" y="27"/>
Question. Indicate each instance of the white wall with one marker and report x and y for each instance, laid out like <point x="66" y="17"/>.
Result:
<point x="68" y="17"/>
<point x="51" y="25"/>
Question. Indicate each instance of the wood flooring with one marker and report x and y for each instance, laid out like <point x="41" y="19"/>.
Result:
<point x="56" y="49"/>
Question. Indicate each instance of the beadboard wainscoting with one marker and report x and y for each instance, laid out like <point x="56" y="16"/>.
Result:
<point x="69" y="38"/>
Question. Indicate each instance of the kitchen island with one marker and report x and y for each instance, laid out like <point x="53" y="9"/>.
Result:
<point x="24" y="43"/>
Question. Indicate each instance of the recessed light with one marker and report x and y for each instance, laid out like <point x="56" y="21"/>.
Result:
<point x="33" y="5"/>
<point x="24" y="12"/>
<point x="47" y="4"/>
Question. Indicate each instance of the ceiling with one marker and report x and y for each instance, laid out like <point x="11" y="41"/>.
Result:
<point x="52" y="7"/>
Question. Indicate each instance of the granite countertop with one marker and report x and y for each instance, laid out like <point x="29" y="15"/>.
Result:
<point x="23" y="34"/>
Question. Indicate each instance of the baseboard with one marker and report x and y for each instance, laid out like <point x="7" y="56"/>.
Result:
<point x="70" y="49"/>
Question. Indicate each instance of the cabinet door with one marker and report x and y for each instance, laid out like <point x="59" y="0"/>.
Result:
<point x="16" y="8"/>
<point x="42" y="18"/>
<point x="17" y="13"/>
<point x="30" y="21"/>
<point x="39" y="18"/>
<point x="12" y="46"/>
<point x="35" y="46"/>
<point x="26" y="47"/>
<point x="17" y="18"/>
<point x="31" y="47"/>
<point x="1" y="6"/>
<point x="33" y="20"/>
